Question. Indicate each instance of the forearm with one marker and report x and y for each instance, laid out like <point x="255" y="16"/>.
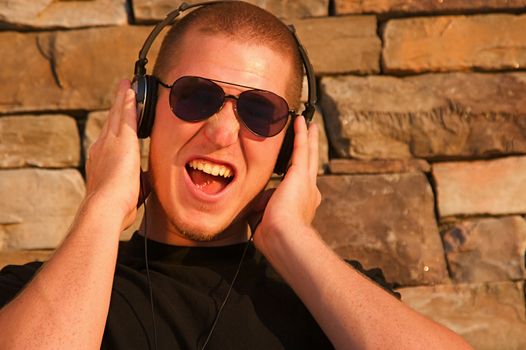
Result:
<point x="354" y="312"/>
<point x="66" y="303"/>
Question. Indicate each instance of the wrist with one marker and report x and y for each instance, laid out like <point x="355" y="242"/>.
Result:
<point x="102" y="209"/>
<point x="277" y="240"/>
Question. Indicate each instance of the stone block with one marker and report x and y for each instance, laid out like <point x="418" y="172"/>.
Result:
<point x="156" y="10"/>
<point x="397" y="7"/>
<point x="76" y="70"/>
<point x="450" y="43"/>
<point x="46" y="14"/>
<point x="488" y="249"/>
<point x="341" y="44"/>
<point x="489" y="316"/>
<point x="21" y="257"/>
<point x="454" y="115"/>
<point x="50" y="141"/>
<point x="37" y="206"/>
<point x="384" y="221"/>
<point x="381" y="166"/>
<point x="495" y="187"/>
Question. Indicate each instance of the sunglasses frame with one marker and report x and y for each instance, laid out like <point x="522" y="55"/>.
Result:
<point x="290" y="112"/>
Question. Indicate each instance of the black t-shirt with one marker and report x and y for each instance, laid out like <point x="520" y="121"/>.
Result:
<point x="189" y="285"/>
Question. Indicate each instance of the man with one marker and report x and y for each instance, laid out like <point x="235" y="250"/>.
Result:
<point x="206" y="181"/>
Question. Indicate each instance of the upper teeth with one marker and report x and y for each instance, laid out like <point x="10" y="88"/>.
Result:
<point x="210" y="168"/>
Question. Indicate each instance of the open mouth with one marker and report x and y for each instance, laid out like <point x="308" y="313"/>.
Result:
<point x="209" y="177"/>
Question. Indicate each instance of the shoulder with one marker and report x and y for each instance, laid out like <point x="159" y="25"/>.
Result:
<point x="14" y="277"/>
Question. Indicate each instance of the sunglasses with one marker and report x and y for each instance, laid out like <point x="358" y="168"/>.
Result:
<point x="194" y="99"/>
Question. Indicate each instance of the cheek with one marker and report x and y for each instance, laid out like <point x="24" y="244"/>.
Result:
<point x="262" y="156"/>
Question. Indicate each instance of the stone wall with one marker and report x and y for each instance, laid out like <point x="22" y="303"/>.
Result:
<point x="423" y="164"/>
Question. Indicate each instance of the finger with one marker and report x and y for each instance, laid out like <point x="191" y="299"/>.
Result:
<point x="300" y="150"/>
<point x="313" y="140"/>
<point x="116" y="110"/>
<point x="129" y="113"/>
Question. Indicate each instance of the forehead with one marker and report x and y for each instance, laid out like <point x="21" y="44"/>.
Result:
<point x="225" y="58"/>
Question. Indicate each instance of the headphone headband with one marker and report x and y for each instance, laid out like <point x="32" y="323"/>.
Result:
<point x="140" y="64"/>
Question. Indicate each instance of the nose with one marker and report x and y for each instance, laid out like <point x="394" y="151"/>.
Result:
<point x="222" y="129"/>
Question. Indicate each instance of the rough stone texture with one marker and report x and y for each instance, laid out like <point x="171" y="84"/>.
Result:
<point x="342" y="7"/>
<point x="428" y="116"/>
<point x="455" y="43"/>
<point x="384" y="221"/>
<point x="489" y="316"/>
<point x="44" y="141"/>
<point x="20" y="257"/>
<point x="155" y="10"/>
<point x="352" y="166"/>
<point x="482" y="250"/>
<point x="45" y="14"/>
<point x="37" y="206"/>
<point x="483" y="187"/>
<point x="76" y="69"/>
<point x="341" y="44"/>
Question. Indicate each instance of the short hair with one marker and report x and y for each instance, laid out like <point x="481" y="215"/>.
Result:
<point x="240" y="21"/>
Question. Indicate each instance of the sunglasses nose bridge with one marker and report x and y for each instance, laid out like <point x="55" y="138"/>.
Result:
<point x="234" y="102"/>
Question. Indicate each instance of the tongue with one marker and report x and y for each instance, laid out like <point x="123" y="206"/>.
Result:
<point x="207" y="183"/>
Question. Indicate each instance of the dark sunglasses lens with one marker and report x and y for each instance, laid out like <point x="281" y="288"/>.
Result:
<point x="194" y="99"/>
<point x="263" y="112"/>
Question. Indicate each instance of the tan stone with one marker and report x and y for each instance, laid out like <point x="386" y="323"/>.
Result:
<point x="45" y="14"/>
<point x="20" y="257"/>
<point x="454" y="43"/>
<point x="50" y="141"/>
<point x="383" y="166"/>
<point x="338" y="45"/>
<point x="489" y="249"/>
<point x="489" y="316"/>
<point x="423" y="6"/>
<point x="37" y="206"/>
<point x="482" y="187"/>
<point x="427" y="116"/>
<point x="76" y="70"/>
<point x="155" y="10"/>
<point x="384" y="221"/>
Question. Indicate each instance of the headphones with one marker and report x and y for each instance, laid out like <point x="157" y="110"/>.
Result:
<point x="145" y="87"/>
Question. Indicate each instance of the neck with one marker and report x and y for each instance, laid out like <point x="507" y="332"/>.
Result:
<point x="157" y="226"/>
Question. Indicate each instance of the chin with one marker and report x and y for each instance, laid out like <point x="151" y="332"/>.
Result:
<point x="199" y="232"/>
<point x="209" y="228"/>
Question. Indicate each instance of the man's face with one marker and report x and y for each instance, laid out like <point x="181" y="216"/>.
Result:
<point x="196" y="204"/>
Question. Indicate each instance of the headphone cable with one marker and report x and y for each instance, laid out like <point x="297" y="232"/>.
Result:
<point x="216" y="320"/>
<point x="148" y="268"/>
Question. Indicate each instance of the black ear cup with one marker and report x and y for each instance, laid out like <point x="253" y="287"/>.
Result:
<point x="145" y="88"/>
<point x="282" y="163"/>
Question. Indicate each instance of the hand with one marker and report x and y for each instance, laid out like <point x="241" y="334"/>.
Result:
<point x="113" y="164"/>
<point x="293" y="204"/>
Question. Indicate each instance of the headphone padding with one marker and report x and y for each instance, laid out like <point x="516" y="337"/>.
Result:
<point x="282" y="163"/>
<point x="145" y="128"/>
